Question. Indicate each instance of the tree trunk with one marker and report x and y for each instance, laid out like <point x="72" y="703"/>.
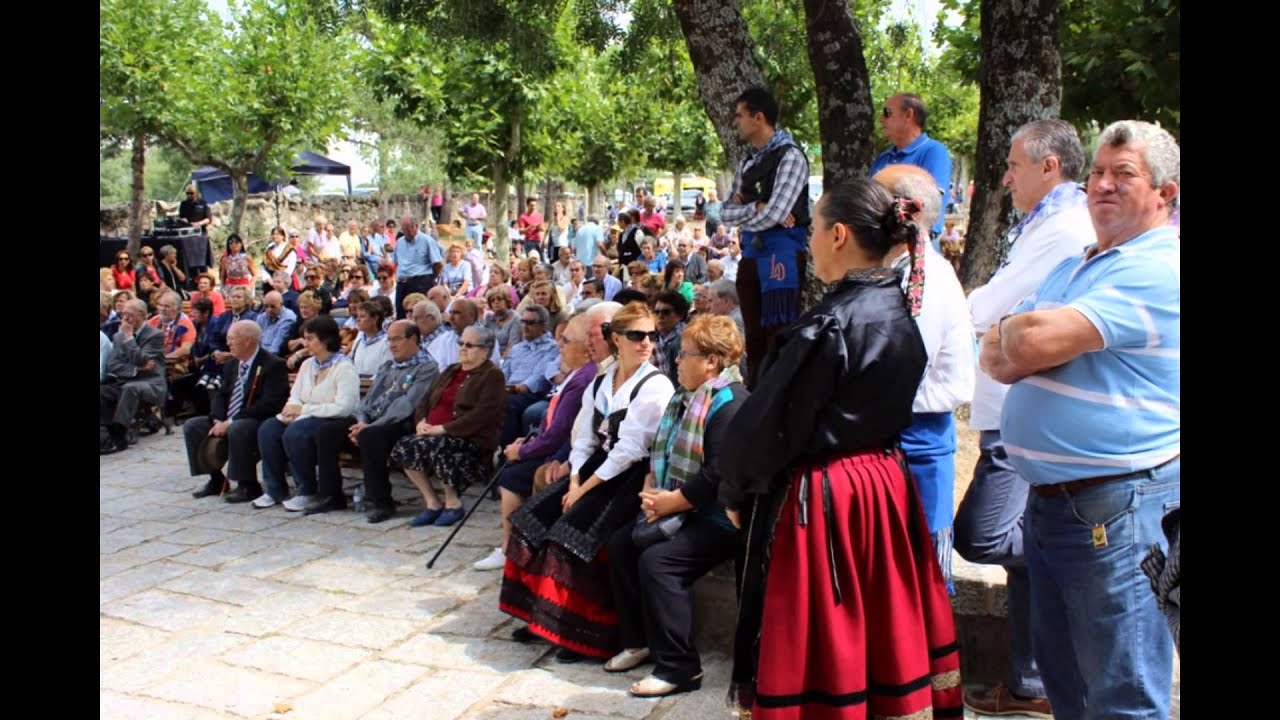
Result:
<point x="1020" y="81"/>
<point x="239" y="199"/>
<point x="137" y="197"/>
<point x="677" y="187"/>
<point x="498" y="212"/>
<point x="724" y="61"/>
<point x="522" y="194"/>
<point x="845" y="118"/>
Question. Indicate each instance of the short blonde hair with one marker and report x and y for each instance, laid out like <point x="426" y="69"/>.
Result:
<point x="412" y="299"/>
<point x="311" y="300"/>
<point x="498" y="292"/>
<point x="715" y="335"/>
<point x="555" y="306"/>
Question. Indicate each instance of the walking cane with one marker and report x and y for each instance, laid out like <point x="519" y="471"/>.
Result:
<point x="493" y="481"/>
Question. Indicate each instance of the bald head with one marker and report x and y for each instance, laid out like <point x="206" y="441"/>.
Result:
<point x="914" y="182"/>
<point x="243" y="339"/>
<point x="273" y="303"/>
<point x="440" y="296"/>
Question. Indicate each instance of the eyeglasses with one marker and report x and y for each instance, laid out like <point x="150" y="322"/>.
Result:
<point x="147" y="255"/>
<point x="684" y="354"/>
<point x="471" y="346"/>
<point x="527" y="321"/>
<point x="886" y="112"/>
<point x="663" y="312"/>
<point x="636" y="336"/>
<point x="599" y="267"/>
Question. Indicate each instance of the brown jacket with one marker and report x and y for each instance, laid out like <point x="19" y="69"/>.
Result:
<point x="477" y="408"/>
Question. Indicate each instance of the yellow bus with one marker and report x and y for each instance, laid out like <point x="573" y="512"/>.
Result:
<point x="664" y="186"/>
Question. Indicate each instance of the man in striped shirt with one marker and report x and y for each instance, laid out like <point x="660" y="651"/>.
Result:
<point x="1093" y="423"/>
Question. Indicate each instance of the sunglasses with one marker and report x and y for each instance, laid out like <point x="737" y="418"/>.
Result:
<point x="663" y="312"/>
<point x="147" y="255"/>
<point x="886" y="112"/>
<point x="636" y="336"/>
<point x="526" y="321"/>
<point x="471" y="346"/>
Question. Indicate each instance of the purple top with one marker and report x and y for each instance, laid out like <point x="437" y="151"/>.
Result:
<point x="551" y="439"/>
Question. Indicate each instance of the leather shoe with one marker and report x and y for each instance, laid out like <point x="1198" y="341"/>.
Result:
<point x="213" y="487"/>
<point x="325" y="504"/>
<point x="243" y="493"/>
<point x="999" y="700"/>
<point x="110" y="446"/>
<point x="379" y="511"/>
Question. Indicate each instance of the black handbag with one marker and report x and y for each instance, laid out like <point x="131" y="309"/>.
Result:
<point x="645" y="533"/>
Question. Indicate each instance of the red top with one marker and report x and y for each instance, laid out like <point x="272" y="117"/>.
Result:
<point x="654" y="221"/>
<point x="530" y="225"/>
<point x="124" y="279"/>
<point x="442" y="413"/>
<point x="215" y="297"/>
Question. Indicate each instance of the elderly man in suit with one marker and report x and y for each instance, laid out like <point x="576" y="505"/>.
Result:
<point x="255" y="386"/>
<point x="134" y="374"/>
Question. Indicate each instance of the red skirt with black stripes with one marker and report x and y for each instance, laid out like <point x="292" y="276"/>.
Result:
<point x="857" y="622"/>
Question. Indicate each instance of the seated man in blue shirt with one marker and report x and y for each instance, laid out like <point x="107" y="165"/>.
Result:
<point x="276" y="321"/>
<point x="902" y="121"/>
<point x="525" y="369"/>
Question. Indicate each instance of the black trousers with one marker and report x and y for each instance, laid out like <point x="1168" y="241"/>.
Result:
<point x="183" y="389"/>
<point x="374" y="443"/>
<point x="242" y="447"/>
<point x="408" y="286"/>
<point x="653" y="589"/>
<point x="512" y="420"/>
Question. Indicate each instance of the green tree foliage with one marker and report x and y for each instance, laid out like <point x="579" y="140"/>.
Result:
<point x="167" y="169"/>
<point x="778" y="29"/>
<point x="1120" y="58"/>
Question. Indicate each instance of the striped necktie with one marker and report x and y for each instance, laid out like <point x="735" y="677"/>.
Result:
<point x="237" y="395"/>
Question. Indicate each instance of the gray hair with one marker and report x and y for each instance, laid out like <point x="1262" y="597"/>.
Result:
<point x="1160" y="151"/>
<point x="249" y="328"/>
<point x="138" y="306"/>
<point x="544" y="316"/>
<point x="486" y="336"/>
<point x="429" y="308"/>
<point x="177" y="299"/>
<point x="914" y="103"/>
<point x="168" y="250"/>
<point x="584" y="305"/>
<point x="923" y="188"/>
<point x="603" y="311"/>
<point x="549" y="269"/>
<point x="725" y="290"/>
<point x="1045" y="138"/>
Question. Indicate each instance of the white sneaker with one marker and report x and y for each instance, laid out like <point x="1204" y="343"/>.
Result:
<point x="264" y="501"/>
<point x="297" y="503"/>
<point x="496" y="561"/>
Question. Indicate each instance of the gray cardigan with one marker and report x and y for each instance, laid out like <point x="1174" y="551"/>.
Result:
<point x="395" y="393"/>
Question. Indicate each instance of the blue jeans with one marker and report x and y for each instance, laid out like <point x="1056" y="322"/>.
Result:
<point x="988" y="531"/>
<point x="533" y="416"/>
<point x="476" y="233"/>
<point x="1102" y="645"/>
<point x="292" y="445"/>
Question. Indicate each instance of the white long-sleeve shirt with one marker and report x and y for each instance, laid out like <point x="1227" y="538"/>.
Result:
<point x="335" y="396"/>
<point x="948" y="336"/>
<point x="638" y="429"/>
<point x="1043" y="244"/>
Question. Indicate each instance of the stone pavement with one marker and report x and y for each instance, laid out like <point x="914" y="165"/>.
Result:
<point x="211" y="610"/>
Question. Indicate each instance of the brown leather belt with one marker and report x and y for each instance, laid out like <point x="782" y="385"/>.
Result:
<point x="1075" y="486"/>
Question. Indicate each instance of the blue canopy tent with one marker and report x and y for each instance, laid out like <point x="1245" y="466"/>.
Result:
<point x="215" y="185"/>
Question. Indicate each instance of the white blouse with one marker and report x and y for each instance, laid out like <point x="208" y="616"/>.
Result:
<point x="337" y="395"/>
<point x="369" y="359"/>
<point x="638" y="429"/>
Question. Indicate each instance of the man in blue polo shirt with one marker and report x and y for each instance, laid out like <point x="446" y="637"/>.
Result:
<point x="902" y="121"/>
<point x="418" y="258"/>
<point x="1093" y="422"/>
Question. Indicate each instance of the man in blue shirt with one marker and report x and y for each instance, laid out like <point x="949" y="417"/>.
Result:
<point x="276" y="321"/>
<point x="902" y="121"/>
<point x="525" y="368"/>
<point x="1093" y="422"/>
<point x="418" y="260"/>
<point x="584" y="242"/>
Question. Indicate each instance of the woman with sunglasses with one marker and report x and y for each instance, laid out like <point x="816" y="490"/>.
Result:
<point x="456" y="426"/>
<point x="147" y="264"/>
<point x="652" y="576"/>
<point x="840" y="577"/>
<point x="122" y="271"/>
<point x="236" y="267"/>
<point x="501" y="317"/>
<point x="557" y="576"/>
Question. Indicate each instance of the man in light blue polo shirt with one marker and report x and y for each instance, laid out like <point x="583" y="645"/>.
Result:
<point x="902" y="121"/>
<point x="1093" y="423"/>
<point x="417" y="257"/>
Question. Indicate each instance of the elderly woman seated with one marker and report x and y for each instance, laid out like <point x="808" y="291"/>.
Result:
<point x="682" y="531"/>
<point x="456" y="430"/>
<point x="327" y="387"/>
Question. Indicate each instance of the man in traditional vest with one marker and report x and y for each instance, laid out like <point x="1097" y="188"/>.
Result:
<point x="769" y="203"/>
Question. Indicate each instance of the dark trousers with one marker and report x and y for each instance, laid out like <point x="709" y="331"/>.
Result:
<point x="374" y="444"/>
<point x="653" y="589"/>
<point x="408" y="286"/>
<point x="242" y="447"/>
<point x="118" y="401"/>
<point x="760" y="340"/>
<point x="183" y="389"/>
<point x="513" y="420"/>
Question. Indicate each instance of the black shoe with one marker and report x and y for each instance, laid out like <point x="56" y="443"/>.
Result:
<point x="324" y="505"/>
<point x="379" y="511"/>
<point x="111" y="446"/>
<point x="243" y="493"/>
<point x="213" y="487"/>
<point x="524" y="635"/>
<point x="565" y="656"/>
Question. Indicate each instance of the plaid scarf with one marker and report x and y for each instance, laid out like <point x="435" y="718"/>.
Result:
<point x="677" y="450"/>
